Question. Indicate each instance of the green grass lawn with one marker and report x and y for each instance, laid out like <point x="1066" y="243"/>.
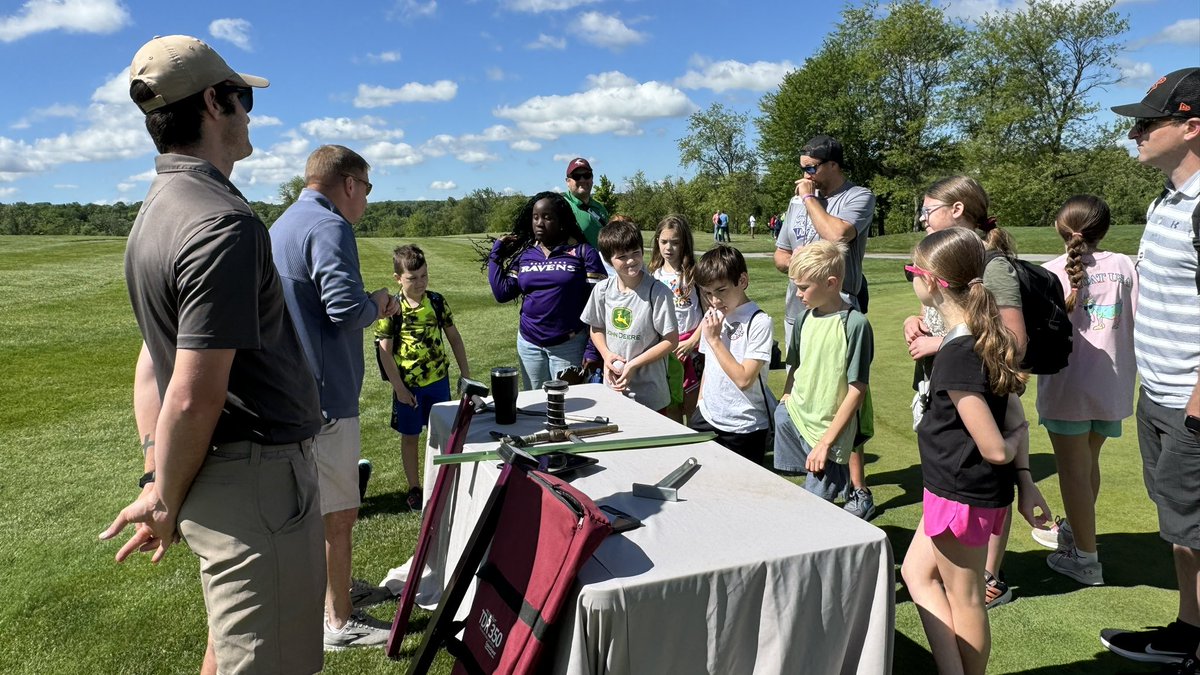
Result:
<point x="69" y="459"/>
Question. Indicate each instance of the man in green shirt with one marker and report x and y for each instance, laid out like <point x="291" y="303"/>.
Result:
<point x="590" y="213"/>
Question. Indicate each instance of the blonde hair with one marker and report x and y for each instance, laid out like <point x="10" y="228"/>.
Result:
<point x="957" y="257"/>
<point x="968" y="192"/>
<point x="328" y="163"/>
<point x="687" y="246"/>
<point x="819" y="261"/>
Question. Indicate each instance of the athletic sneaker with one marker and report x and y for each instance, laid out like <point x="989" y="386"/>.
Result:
<point x="364" y="476"/>
<point x="363" y="594"/>
<point x="861" y="503"/>
<point x="1057" y="537"/>
<point x="414" y="499"/>
<point x="1068" y="561"/>
<point x="1162" y="644"/>
<point x="996" y="592"/>
<point x="361" y="630"/>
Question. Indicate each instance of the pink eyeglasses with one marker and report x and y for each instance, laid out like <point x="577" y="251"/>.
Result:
<point x="912" y="270"/>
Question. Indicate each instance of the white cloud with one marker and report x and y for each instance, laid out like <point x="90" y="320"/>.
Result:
<point x="143" y="177"/>
<point x="538" y="6"/>
<point x="470" y="148"/>
<point x="384" y="57"/>
<point x="370" y="96"/>
<point x="265" y="121"/>
<point x="385" y="153"/>
<point x="1135" y="72"/>
<point x="7" y="192"/>
<point x="273" y="165"/>
<point x="412" y="9"/>
<point x="443" y="185"/>
<point x="65" y="186"/>
<point x="509" y="190"/>
<point x="114" y="130"/>
<point x="125" y="187"/>
<point x="365" y="128"/>
<point x="722" y="76"/>
<point x="40" y="114"/>
<point x="607" y="31"/>
<point x="613" y="103"/>
<point x="496" y="74"/>
<point x="526" y="145"/>
<point x="476" y="156"/>
<point x="1183" y="32"/>
<point x="236" y="31"/>
<point x="566" y="157"/>
<point x="72" y="16"/>
<point x="547" y="42"/>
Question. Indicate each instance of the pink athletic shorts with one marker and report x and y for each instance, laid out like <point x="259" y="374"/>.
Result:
<point x="971" y="525"/>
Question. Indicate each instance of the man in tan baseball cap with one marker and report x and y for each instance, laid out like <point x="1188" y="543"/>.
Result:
<point x="225" y="417"/>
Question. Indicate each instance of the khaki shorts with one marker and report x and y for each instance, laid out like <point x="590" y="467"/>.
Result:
<point x="251" y="516"/>
<point x="337" y="448"/>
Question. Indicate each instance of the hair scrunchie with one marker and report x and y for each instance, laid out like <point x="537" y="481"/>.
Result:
<point x="1076" y="235"/>
<point x="975" y="281"/>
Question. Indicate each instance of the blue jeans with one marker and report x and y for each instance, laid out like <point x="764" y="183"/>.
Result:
<point x="541" y="364"/>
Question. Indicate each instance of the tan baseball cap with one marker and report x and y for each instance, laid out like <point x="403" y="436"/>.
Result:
<point x="177" y="66"/>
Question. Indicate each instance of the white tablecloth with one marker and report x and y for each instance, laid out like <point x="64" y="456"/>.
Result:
<point x="748" y="573"/>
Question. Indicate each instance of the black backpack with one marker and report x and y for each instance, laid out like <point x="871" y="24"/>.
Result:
<point x="1047" y="324"/>
<point x="439" y="311"/>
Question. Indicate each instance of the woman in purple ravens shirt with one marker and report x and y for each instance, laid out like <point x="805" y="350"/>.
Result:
<point x="548" y="263"/>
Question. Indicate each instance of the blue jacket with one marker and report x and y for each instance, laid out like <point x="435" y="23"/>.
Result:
<point x="317" y="258"/>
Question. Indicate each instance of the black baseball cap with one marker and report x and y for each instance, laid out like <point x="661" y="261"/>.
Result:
<point x="1176" y="94"/>
<point x="824" y="148"/>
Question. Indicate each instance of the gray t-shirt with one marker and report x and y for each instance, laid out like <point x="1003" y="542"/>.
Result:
<point x="633" y="322"/>
<point x="200" y="276"/>
<point x="853" y="204"/>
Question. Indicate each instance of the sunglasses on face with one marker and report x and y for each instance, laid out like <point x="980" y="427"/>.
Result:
<point x="1143" y="125"/>
<point x="356" y="178"/>
<point x="581" y="176"/>
<point x="911" y="271"/>
<point x="811" y="168"/>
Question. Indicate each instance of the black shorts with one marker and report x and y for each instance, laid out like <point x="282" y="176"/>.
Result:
<point x="1171" y="469"/>
<point x="751" y="445"/>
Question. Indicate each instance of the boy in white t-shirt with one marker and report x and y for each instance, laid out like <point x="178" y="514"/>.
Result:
<point x="734" y="400"/>
<point x="632" y="319"/>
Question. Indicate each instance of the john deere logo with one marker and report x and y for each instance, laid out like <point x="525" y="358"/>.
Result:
<point x="622" y="318"/>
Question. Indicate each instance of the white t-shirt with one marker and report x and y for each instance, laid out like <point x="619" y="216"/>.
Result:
<point x="752" y="222"/>
<point x="739" y="411"/>
<point x="687" y="305"/>
<point x="634" y="321"/>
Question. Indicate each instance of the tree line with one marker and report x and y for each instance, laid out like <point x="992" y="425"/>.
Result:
<point x="913" y="96"/>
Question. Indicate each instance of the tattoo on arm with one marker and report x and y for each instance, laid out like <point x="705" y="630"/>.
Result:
<point x="147" y="443"/>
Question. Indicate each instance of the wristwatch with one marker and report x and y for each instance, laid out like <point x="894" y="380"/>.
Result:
<point x="146" y="479"/>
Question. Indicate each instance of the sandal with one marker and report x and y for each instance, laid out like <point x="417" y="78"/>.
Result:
<point x="996" y="592"/>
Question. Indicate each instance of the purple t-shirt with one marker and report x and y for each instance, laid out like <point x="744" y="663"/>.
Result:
<point x="555" y="288"/>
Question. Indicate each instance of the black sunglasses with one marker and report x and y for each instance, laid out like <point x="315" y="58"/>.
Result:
<point x="812" y="168"/>
<point x="581" y="176"/>
<point x="1144" y="125"/>
<point x="244" y="94"/>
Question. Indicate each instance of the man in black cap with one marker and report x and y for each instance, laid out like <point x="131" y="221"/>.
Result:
<point x="1166" y="340"/>
<point x="828" y="206"/>
<point x="223" y="402"/>
<point x="590" y="213"/>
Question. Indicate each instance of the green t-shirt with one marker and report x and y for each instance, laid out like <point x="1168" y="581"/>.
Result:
<point x="819" y="342"/>
<point x="590" y="219"/>
<point x="418" y="348"/>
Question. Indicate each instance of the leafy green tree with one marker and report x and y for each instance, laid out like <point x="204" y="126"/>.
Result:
<point x="716" y="143"/>
<point x="289" y="190"/>
<point x="605" y="193"/>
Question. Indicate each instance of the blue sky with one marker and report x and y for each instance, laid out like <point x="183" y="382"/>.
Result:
<point x="440" y="96"/>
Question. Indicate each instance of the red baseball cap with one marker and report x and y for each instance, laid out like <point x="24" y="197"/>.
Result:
<point x="577" y="163"/>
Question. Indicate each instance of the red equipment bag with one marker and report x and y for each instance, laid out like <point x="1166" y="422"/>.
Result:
<point x="547" y="530"/>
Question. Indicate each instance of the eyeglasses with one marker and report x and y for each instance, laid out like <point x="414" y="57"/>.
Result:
<point x="581" y="176"/>
<point x="244" y="94"/>
<point x="912" y="270"/>
<point x="811" y="168"/>
<point x="1144" y="125"/>
<point x="367" y="183"/>
<point x="926" y="210"/>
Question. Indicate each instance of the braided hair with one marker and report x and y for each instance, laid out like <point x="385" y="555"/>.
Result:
<point x="522" y="238"/>
<point x="1082" y="222"/>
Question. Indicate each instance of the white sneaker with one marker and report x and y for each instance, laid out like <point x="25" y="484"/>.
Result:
<point x="1067" y="561"/>
<point x="1057" y="537"/>
<point x="361" y="630"/>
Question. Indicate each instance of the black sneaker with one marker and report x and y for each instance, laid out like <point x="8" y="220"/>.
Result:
<point x="1162" y="644"/>
<point x="414" y="499"/>
<point x="364" y="477"/>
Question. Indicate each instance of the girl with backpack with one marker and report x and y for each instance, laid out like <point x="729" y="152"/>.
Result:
<point x="961" y="202"/>
<point x="974" y="449"/>
<point x="1082" y="405"/>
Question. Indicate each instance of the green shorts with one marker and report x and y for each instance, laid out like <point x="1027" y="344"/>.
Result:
<point x="675" y="378"/>
<point x="1106" y="428"/>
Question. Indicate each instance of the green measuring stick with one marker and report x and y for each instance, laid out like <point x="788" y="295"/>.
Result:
<point x="581" y="448"/>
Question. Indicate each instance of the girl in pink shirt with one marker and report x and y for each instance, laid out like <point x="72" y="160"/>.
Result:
<point x="1083" y="404"/>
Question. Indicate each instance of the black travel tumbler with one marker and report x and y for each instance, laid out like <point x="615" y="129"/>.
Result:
<point x="504" y="394"/>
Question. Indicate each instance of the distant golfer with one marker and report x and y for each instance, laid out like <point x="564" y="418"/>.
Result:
<point x="226" y="416"/>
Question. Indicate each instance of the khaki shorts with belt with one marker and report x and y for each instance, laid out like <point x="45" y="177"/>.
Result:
<point x="252" y="516"/>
